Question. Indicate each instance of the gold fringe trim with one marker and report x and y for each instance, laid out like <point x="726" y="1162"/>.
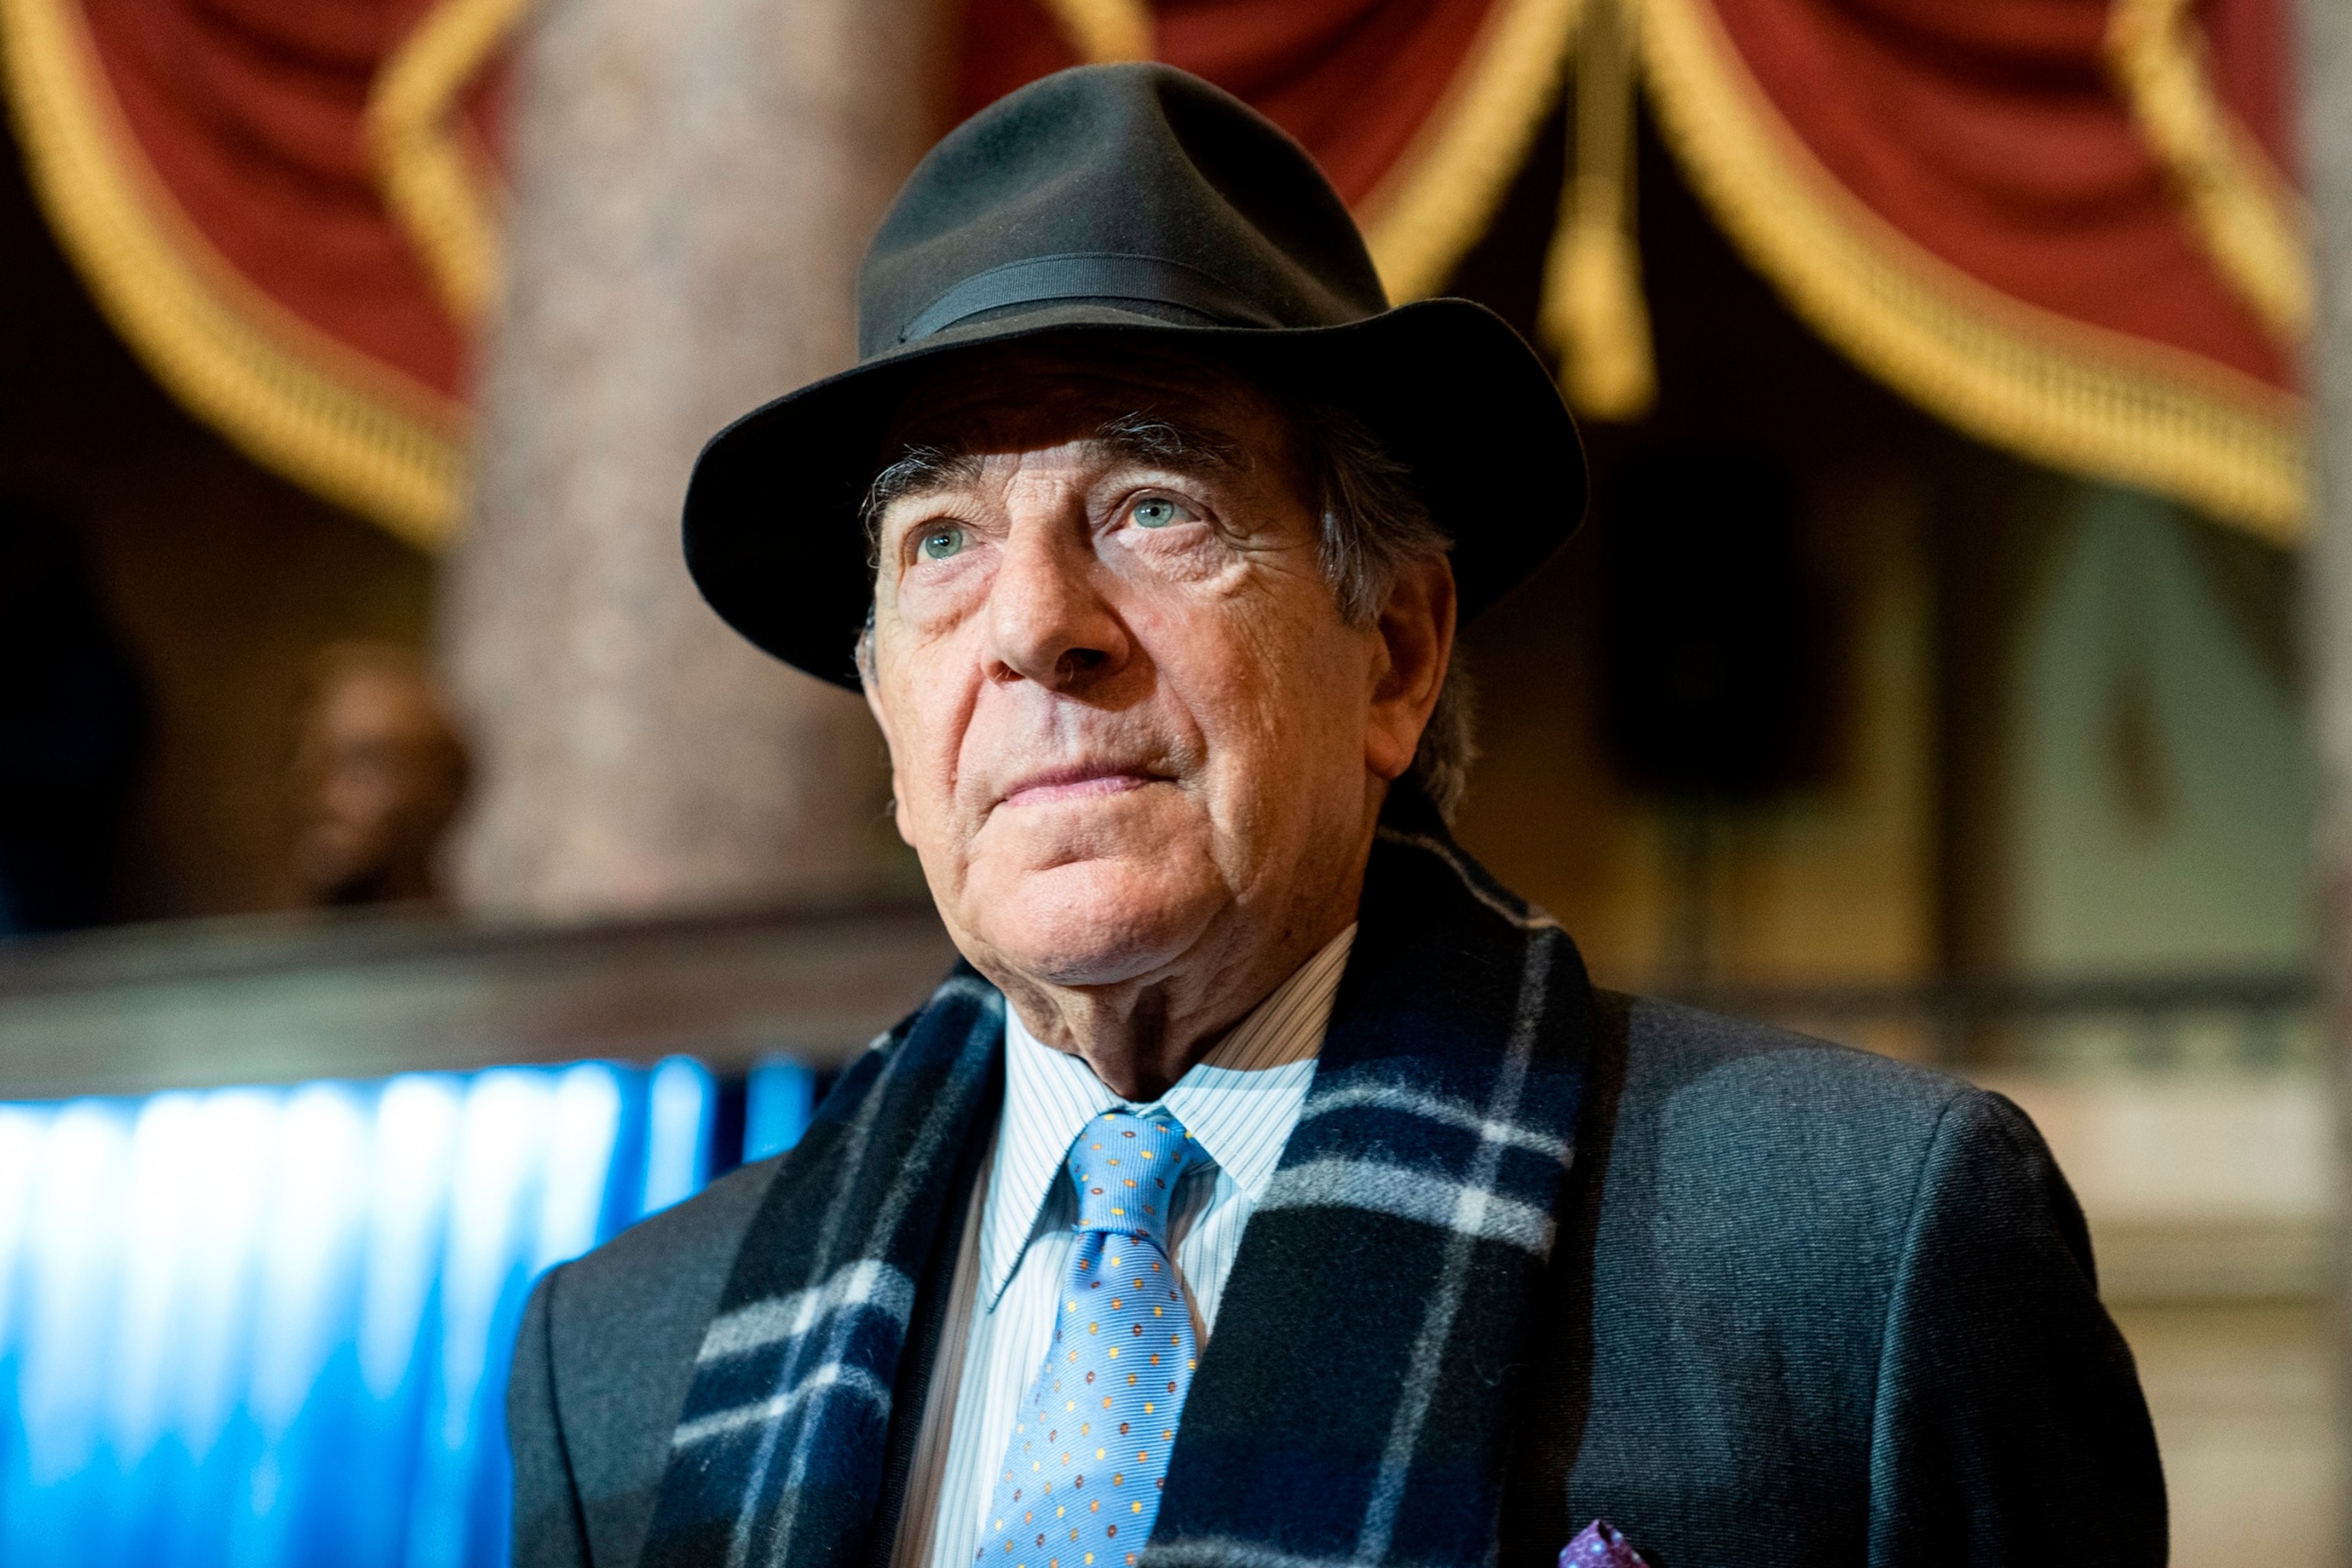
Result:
<point x="1592" y="308"/>
<point x="2249" y="223"/>
<point x="1105" y="30"/>
<point x="288" y="395"/>
<point x="1436" y="202"/>
<point x="436" y="184"/>
<point x="2071" y="395"/>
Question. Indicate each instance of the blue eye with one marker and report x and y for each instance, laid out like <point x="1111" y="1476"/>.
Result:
<point x="1155" y="511"/>
<point x="943" y="542"/>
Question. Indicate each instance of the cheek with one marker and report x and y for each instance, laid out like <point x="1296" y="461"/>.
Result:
<point x="931" y="597"/>
<point x="1188" y="558"/>
<point x="925" y="714"/>
<point x="1280" y="693"/>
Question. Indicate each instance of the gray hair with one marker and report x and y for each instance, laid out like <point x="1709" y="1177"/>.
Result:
<point x="1374" y="526"/>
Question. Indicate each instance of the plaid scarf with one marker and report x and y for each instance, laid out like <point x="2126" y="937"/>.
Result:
<point x="1419" y="1188"/>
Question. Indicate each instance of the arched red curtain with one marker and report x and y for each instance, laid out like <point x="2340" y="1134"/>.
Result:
<point x="2063" y="225"/>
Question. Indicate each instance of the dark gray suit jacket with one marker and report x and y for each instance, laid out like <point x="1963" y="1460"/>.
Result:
<point x="1810" y="1307"/>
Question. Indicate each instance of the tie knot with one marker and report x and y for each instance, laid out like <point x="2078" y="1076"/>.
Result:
<point x="1125" y="1169"/>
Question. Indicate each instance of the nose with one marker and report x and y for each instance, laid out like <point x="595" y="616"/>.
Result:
<point x="1048" y="621"/>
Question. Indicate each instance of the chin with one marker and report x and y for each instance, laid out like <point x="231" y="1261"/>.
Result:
<point x="1091" y="922"/>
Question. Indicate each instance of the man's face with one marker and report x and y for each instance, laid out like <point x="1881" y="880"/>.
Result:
<point x="1124" y="711"/>
<point x="379" y="773"/>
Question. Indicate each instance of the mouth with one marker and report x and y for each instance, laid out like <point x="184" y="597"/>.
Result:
<point x="1077" y="782"/>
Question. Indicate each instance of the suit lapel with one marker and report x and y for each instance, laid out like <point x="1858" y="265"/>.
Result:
<point x="1354" y="1404"/>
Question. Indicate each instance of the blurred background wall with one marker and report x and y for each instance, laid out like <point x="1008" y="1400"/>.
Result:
<point x="1933" y="675"/>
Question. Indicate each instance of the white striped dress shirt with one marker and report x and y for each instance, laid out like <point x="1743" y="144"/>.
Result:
<point x="1239" y="1102"/>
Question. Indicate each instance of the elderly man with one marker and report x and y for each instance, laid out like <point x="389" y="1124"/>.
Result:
<point x="1270" y="1186"/>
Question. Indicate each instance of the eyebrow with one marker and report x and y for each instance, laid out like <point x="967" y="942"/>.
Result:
<point x="918" y="470"/>
<point x="1148" y="438"/>
<point x="1138" y="437"/>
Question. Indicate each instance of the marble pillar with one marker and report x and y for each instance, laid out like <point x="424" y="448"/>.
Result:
<point x="693" y="182"/>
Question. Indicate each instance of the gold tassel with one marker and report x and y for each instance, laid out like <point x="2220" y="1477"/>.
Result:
<point x="1592" y="312"/>
<point x="1105" y="30"/>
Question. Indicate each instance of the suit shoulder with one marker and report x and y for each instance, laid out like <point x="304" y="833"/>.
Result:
<point x="1714" y="1066"/>
<point x="693" y="1244"/>
<point x="1757" y="1181"/>
<point x="682" y="1252"/>
<point x="1872" y="1265"/>
<point x="1766" y="1129"/>
<point x="622" y="1325"/>
<point x="658" y="1282"/>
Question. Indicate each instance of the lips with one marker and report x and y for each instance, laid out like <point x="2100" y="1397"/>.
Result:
<point x="1077" y="782"/>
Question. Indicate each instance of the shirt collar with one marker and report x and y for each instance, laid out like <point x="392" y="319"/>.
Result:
<point x="1239" y="1102"/>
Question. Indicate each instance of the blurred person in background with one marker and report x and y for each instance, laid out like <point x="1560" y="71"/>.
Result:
<point x="1270" y="1186"/>
<point x="73" y="730"/>
<point x="379" y="773"/>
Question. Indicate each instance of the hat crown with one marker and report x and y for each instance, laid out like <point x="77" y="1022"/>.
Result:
<point x="1135" y="185"/>
<point x="1114" y="206"/>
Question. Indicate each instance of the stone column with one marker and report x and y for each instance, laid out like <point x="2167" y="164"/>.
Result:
<point x="694" y="183"/>
<point x="2326" y="56"/>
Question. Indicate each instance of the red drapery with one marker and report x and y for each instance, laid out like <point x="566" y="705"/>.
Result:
<point x="1990" y="133"/>
<point x="2057" y="223"/>
<point x="1353" y="79"/>
<point x="266" y="223"/>
<point x="251" y="114"/>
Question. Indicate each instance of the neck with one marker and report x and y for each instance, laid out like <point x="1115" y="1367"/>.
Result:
<point x="1140" y="1036"/>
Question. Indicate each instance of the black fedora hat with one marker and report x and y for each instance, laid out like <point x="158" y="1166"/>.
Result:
<point x="1112" y="200"/>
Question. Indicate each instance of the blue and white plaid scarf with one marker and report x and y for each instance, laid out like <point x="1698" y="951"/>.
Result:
<point x="1420" y="1184"/>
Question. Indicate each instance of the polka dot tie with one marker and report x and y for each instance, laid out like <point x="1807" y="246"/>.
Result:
<point x="1080" y="1482"/>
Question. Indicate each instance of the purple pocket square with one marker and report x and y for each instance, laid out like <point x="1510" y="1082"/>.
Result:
<point x="1600" y="1547"/>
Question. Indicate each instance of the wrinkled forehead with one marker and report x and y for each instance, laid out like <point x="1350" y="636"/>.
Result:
<point x="1028" y="398"/>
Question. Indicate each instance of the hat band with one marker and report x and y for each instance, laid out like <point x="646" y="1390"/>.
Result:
<point x="1144" y="278"/>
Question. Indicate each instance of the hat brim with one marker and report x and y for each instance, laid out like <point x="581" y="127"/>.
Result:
<point x="774" y="542"/>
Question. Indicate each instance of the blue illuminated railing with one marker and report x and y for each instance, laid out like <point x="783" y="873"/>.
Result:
<point x="248" y="1327"/>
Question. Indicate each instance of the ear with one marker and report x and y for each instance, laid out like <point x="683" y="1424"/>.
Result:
<point x="866" y="667"/>
<point x="1416" y="642"/>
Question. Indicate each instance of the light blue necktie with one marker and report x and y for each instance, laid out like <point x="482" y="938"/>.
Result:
<point x="1080" y="1482"/>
